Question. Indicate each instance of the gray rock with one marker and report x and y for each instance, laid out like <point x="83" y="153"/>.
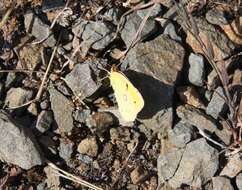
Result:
<point x="11" y="79"/>
<point x="81" y="115"/>
<point x="81" y="82"/>
<point x="17" y="144"/>
<point x="37" y="28"/>
<point x="41" y="186"/>
<point x="173" y="147"/>
<point x="97" y="34"/>
<point x="239" y="181"/>
<point x="169" y="29"/>
<point x="155" y="66"/>
<point x="217" y="104"/>
<point x="168" y="163"/>
<point x="131" y="26"/>
<point x="62" y="109"/>
<point x="44" y="121"/>
<point x="208" y="95"/>
<point x="113" y="15"/>
<point x="45" y="104"/>
<point x="17" y="97"/>
<point x="180" y="135"/>
<point x="88" y="146"/>
<point x="85" y="159"/>
<point x="66" y="149"/>
<point x="156" y="11"/>
<point x="220" y="182"/>
<point x="197" y="118"/>
<point x="196" y="73"/>
<point x="197" y="166"/>
<point x="171" y="32"/>
<point x="217" y="17"/>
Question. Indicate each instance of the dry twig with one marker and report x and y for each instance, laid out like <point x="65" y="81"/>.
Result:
<point x="72" y="177"/>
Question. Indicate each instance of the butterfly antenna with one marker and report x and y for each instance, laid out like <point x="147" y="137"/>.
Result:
<point x="100" y="80"/>
<point x="102" y="68"/>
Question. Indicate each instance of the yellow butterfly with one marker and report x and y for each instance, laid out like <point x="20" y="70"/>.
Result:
<point x="130" y="101"/>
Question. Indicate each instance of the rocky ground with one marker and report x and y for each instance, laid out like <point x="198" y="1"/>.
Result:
<point x="59" y="120"/>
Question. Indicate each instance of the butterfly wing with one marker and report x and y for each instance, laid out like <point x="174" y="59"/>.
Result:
<point x="130" y="101"/>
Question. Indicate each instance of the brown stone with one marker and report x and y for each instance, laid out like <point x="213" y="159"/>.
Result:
<point x="222" y="46"/>
<point x="189" y="95"/>
<point x="88" y="146"/>
<point x="234" y="31"/>
<point x="138" y="175"/>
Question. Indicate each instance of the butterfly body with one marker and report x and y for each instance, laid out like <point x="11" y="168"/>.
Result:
<point x="130" y="101"/>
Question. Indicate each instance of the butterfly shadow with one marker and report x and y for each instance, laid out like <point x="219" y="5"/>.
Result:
<point x="156" y="94"/>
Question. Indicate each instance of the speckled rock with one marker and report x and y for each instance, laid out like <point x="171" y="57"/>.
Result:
<point x="62" y="109"/>
<point x="217" y="104"/>
<point x="88" y="146"/>
<point x="197" y="166"/>
<point x="17" y="144"/>
<point x="196" y="73"/>
<point x="80" y="80"/>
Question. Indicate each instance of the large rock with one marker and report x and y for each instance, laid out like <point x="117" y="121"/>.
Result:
<point x="97" y="34"/>
<point x="167" y="163"/>
<point x="173" y="147"/>
<point x="17" y="144"/>
<point x="200" y="120"/>
<point x="133" y="21"/>
<point x="37" y="28"/>
<point x="62" y="109"/>
<point x="197" y="166"/>
<point x="80" y="80"/>
<point x="155" y="66"/>
<point x="222" y="183"/>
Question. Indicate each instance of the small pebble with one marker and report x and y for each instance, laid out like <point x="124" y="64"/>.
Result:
<point x="196" y="71"/>
<point x="44" y="121"/>
<point x="239" y="181"/>
<point x="81" y="115"/>
<point x="66" y="149"/>
<point x="85" y="158"/>
<point x="17" y="97"/>
<point x="217" y="104"/>
<point x="217" y="17"/>
<point x="138" y="175"/>
<point x="88" y="146"/>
